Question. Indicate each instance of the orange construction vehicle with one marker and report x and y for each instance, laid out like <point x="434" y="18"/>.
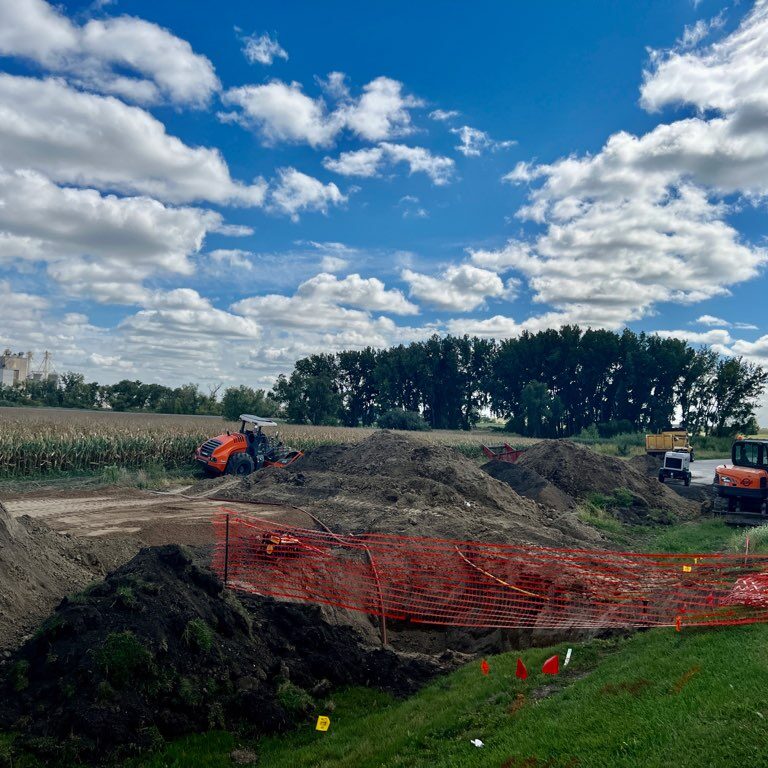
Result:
<point x="744" y="483"/>
<point x="242" y="452"/>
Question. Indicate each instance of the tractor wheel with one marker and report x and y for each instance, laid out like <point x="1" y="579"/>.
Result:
<point x="731" y="503"/>
<point x="240" y="464"/>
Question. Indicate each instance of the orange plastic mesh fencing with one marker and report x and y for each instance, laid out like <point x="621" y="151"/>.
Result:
<point x="473" y="584"/>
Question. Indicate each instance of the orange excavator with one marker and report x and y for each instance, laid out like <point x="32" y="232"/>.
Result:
<point x="242" y="452"/>
<point x="744" y="483"/>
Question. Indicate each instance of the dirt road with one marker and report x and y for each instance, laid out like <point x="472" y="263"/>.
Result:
<point x="152" y="518"/>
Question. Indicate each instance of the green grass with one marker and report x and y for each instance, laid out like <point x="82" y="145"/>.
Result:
<point x="656" y="699"/>
<point x="758" y="540"/>
<point x="599" y="518"/>
<point x="206" y="750"/>
<point x="707" y="534"/>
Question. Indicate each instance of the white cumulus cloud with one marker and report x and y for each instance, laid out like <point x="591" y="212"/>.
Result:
<point x="97" y="246"/>
<point x="355" y="291"/>
<point x="282" y="112"/>
<point x="101" y="54"/>
<point x="644" y="220"/>
<point x="474" y="141"/>
<point x="460" y="288"/>
<point x="87" y="139"/>
<point x="262" y="49"/>
<point x="294" y="192"/>
<point x="371" y="161"/>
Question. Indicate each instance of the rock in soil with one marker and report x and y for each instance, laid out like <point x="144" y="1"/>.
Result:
<point x="159" y="649"/>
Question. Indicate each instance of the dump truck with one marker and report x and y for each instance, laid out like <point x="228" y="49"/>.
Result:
<point x="244" y="451"/>
<point x="670" y="440"/>
<point x="744" y="483"/>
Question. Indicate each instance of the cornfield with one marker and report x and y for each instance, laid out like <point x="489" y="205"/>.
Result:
<point x="41" y="441"/>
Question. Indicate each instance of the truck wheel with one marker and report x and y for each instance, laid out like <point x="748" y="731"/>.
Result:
<point x="687" y="480"/>
<point x="240" y="464"/>
<point x="731" y="503"/>
<point x="661" y="477"/>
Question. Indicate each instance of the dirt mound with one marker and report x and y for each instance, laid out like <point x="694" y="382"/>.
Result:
<point x="159" y="649"/>
<point x="647" y="464"/>
<point x="582" y="473"/>
<point x="38" y="565"/>
<point x="397" y="484"/>
<point x="529" y="483"/>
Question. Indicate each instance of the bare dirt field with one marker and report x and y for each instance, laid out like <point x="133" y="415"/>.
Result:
<point x="150" y="518"/>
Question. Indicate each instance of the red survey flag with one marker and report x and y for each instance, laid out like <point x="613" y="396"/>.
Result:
<point x="484" y="668"/>
<point x="551" y="666"/>
<point x="521" y="671"/>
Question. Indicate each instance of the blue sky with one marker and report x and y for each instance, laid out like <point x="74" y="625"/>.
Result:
<point x="197" y="195"/>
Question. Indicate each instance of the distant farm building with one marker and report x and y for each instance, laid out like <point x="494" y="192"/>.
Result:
<point x="16" y="368"/>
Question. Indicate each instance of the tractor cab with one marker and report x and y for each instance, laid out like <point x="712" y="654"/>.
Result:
<point x="258" y="444"/>
<point x="248" y="449"/>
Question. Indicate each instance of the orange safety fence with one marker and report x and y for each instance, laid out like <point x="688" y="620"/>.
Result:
<point x="474" y="584"/>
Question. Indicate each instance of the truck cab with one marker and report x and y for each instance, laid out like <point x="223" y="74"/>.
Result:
<point x="677" y="466"/>
<point x="744" y="483"/>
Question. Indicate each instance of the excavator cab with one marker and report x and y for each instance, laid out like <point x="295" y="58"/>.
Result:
<point x="744" y="484"/>
<point x="249" y="449"/>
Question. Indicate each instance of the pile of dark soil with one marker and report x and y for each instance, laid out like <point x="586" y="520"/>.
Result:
<point x="159" y="649"/>
<point x="584" y="474"/>
<point x="531" y="484"/>
<point x="647" y="464"/>
<point x="391" y="483"/>
<point x="38" y="565"/>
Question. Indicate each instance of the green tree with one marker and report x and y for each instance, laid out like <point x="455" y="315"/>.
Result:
<point x="735" y="392"/>
<point x="76" y="393"/>
<point x="242" y="399"/>
<point x="538" y="411"/>
<point x="311" y="394"/>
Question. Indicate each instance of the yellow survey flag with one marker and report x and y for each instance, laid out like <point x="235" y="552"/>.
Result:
<point x="322" y="723"/>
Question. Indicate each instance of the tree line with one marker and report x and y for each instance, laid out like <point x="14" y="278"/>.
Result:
<point x="552" y="383"/>
<point x="70" y="390"/>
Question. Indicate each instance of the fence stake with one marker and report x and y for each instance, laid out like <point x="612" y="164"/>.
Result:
<point x="746" y="550"/>
<point x="382" y="616"/>
<point x="226" y="552"/>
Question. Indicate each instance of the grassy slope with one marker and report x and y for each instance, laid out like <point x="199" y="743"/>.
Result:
<point x="626" y="712"/>
<point x="658" y="698"/>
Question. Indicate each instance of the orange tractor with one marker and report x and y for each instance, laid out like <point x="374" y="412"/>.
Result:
<point x="242" y="452"/>
<point x="744" y="484"/>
